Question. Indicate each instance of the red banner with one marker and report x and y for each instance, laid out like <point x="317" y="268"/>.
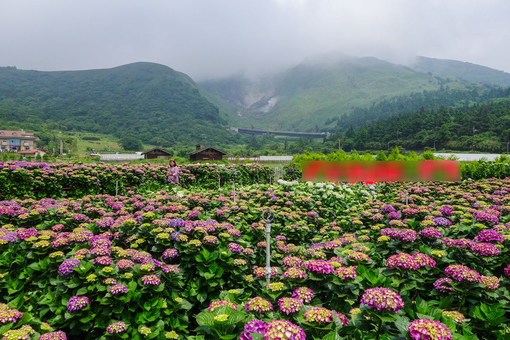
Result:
<point x="381" y="171"/>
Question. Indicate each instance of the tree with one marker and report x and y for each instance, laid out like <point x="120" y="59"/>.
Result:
<point x="131" y="143"/>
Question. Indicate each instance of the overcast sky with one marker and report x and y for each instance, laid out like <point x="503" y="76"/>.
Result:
<point x="214" y="38"/>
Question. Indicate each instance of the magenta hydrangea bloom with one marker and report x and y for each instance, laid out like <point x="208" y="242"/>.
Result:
<point x="67" y="266"/>
<point x="423" y="260"/>
<point x="507" y="271"/>
<point x="320" y="266"/>
<point x="170" y="253"/>
<point x="292" y="261"/>
<point x="303" y="293"/>
<point x="258" y="304"/>
<point x="382" y="298"/>
<point x="439" y="284"/>
<point x="125" y="264"/>
<point x="58" y="335"/>
<point x="425" y="329"/>
<point x="319" y="315"/>
<point x="77" y="303"/>
<point x="488" y="235"/>
<point x="431" y="233"/>
<point x="151" y="280"/>
<point x="401" y="260"/>
<point x="117" y="289"/>
<point x="116" y="327"/>
<point x="290" y="305"/>
<point x="283" y="330"/>
<point x="253" y="326"/>
<point x="10" y="315"/>
<point x="485" y="249"/>
<point x="343" y="319"/>
<point x="461" y="273"/>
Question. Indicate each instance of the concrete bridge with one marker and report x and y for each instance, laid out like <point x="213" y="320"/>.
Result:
<point x="304" y="135"/>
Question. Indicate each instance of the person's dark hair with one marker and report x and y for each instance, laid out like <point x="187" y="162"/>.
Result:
<point x="170" y="163"/>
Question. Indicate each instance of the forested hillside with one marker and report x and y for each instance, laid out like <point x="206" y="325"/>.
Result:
<point x="426" y="100"/>
<point x="152" y="102"/>
<point x="480" y="127"/>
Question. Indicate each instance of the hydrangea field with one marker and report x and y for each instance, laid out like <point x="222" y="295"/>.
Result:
<point x="347" y="262"/>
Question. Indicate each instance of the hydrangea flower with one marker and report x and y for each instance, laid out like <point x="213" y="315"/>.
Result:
<point x="253" y="326"/>
<point x="490" y="282"/>
<point x="318" y="314"/>
<point x="423" y="260"/>
<point x="117" y="289"/>
<point x="294" y="273"/>
<point x="507" y="271"/>
<point x="488" y="235"/>
<point x="170" y="253"/>
<point x="289" y="305"/>
<point x="67" y="266"/>
<point x="454" y="315"/>
<point x="485" y="249"/>
<point x="425" y="329"/>
<point x="382" y="298"/>
<point x="258" y="304"/>
<point x="346" y="272"/>
<point x="283" y="330"/>
<point x="151" y="280"/>
<point x="431" y="233"/>
<point x="343" y="319"/>
<point x="77" y="303"/>
<point x="320" y="266"/>
<point x="439" y="284"/>
<point x="461" y="273"/>
<point x="116" y="327"/>
<point x="303" y="293"/>
<point x="58" y="335"/>
<point x="401" y="260"/>
<point x="10" y="315"/>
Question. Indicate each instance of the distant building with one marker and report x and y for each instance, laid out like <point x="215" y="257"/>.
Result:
<point x="15" y="141"/>
<point x="206" y="153"/>
<point x="33" y="153"/>
<point x="157" y="153"/>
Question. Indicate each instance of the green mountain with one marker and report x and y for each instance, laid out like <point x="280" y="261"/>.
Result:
<point x="462" y="70"/>
<point x="318" y="94"/>
<point x="149" y="101"/>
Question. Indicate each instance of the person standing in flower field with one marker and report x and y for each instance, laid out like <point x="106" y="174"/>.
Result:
<point x="173" y="173"/>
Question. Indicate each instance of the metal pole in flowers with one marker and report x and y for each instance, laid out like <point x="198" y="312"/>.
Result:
<point x="116" y="188"/>
<point x="267" y="216"/>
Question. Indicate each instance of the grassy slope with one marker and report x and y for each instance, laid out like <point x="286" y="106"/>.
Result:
<point x="312" y="94"/>
<point x="467" y="71"/>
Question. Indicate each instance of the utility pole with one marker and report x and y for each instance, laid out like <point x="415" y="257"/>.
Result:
<point x="61" y="147"/>
<point x="507" y="146"/>
<point x="398" y="133"/>
<point x="435" y="145"/>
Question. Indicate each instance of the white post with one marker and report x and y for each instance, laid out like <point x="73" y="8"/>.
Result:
<point x="268" y="220"/>
<point x="407" y="202"/>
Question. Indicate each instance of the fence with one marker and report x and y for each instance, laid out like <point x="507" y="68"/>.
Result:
<point x="120" y="157"/>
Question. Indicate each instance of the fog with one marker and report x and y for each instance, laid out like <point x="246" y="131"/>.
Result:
<point x="208" y="39"/>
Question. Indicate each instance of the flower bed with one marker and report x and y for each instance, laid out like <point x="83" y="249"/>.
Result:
<point x="39" y="179"/>
<point x="347" y="262"/>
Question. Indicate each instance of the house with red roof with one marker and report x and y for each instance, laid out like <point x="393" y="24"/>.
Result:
<point x="15" y="141"/>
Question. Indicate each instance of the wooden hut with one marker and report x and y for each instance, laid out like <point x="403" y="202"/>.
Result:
<point x="157" y="153"/>
<point x="206" y="153"/>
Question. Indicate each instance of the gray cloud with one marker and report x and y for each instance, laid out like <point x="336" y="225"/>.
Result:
<point x="205" y="38"/>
